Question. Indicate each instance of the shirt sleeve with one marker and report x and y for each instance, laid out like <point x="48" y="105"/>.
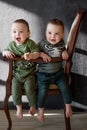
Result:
<point x="33" y="46"/>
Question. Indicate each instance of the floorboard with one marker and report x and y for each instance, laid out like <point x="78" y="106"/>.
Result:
<point x="54" y="120"/>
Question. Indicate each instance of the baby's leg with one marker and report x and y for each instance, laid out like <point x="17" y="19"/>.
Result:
<point x="32" y="111"/>
<point x="68" y="110"/>
<point x="19" y="112"/>
<point x="41" y="114"/>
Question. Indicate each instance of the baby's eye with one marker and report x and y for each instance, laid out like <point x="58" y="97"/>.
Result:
<point x="14" y="31"/>
<point x="21" y="31"/>
<point x="57" y="34"/>
<point x="49" y="32"/>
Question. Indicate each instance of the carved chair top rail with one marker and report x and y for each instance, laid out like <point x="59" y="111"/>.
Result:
<point x="38" y="60"/>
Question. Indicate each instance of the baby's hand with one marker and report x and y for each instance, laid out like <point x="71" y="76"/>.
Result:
<point x="27" y="56"/>
<point x="8" y="54"/>
<point x="65" y="55"/>
<point x="45" y="57"/>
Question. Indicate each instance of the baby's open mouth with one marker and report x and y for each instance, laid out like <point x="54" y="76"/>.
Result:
<point x="53" y="40"/>
<point x="18" y="39"/>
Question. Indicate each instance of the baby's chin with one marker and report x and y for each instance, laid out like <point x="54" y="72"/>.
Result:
<point x="19" y="43"/>
<point x="53" y="43"/>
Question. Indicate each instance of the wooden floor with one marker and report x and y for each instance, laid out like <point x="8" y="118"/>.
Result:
<point x="54" y="121"/>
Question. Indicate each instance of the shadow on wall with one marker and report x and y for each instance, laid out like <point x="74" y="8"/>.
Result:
<point x="50" y="8"/>
<point x="2" y="82"/>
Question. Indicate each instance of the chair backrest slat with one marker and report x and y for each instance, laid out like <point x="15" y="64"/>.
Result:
<point x="71" y="40"/>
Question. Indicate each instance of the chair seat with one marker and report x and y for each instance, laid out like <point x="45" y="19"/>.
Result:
<point x="53" y="86"/>
<point x="53" y="90"/>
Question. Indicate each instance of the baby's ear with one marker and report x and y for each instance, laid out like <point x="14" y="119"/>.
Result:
<point x="62" y="35"/>
<point x="28" y="34"/>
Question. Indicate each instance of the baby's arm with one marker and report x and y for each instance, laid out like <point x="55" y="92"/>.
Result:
<point x="8" y="54"/>
<point x="65" y="55"/>
<point x="45" y="57"/>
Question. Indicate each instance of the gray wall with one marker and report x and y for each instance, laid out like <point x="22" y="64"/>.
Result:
<point x="37" y="13"/>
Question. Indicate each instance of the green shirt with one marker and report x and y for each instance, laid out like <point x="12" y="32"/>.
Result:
<point x="21" y="69"/>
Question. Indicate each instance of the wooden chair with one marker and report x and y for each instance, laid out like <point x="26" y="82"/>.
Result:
<point x="52" y="91"/>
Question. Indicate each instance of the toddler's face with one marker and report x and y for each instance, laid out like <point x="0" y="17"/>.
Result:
<point x="19" y="33"/>
<point x="54" y="33"/>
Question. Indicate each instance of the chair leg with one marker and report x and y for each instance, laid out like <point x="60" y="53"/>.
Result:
<point x="6" y="110"/>
<point x="67" y="120"/>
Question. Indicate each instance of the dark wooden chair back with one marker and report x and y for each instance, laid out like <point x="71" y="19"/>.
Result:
<point x="71" y="41"/>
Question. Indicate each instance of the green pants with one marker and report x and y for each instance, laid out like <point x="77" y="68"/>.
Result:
<point x="29" y="86"/>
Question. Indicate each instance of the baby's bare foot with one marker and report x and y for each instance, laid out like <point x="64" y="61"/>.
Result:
<point x="68" y="110"/>
<point x="19" y="112"/>
<point x="32" y="111"/>
<point x="19" y="115"/>
<point x="41" y="115"/>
